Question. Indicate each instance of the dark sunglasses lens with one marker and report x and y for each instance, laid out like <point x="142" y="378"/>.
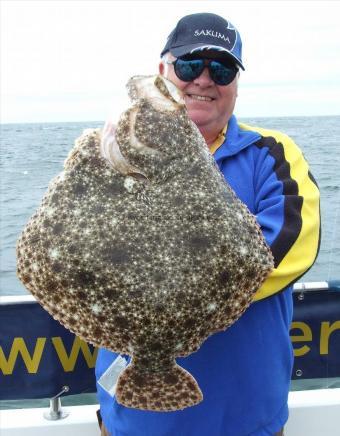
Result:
<point x="221" y="74"/>
<point x="188" y="70"/>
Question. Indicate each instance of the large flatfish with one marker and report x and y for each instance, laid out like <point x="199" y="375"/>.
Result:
<point x="141" y="247"/>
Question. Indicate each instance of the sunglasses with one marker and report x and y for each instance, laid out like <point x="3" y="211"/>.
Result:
<point x="189" y="69"/>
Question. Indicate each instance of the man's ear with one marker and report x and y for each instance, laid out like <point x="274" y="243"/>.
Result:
<point x="161" y="68"/>
<point x="238" y="77"/>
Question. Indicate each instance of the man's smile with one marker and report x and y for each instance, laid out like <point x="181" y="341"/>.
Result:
<point x="200" y="97"/>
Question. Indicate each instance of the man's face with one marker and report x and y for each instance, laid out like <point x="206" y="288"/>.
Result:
<point x="209" y="105"/>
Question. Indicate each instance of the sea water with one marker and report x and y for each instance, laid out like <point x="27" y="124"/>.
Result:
<point x="32" y="154"/>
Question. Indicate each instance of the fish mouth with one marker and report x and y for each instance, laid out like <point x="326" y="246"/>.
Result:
<point x="161" y="92"/>
<point x="169" y="90"/>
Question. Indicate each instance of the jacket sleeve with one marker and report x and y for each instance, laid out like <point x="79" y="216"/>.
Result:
<point x="287" y="209"/>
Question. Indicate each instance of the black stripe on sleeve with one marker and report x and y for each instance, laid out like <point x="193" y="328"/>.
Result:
<point x="292" y="221"/>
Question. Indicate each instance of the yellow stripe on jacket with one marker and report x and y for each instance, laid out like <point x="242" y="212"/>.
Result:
<point x="302" y="254"/>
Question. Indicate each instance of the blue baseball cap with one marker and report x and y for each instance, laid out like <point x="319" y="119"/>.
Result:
<point x="204" y="31"/>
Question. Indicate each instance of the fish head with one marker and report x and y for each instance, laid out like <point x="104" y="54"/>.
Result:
<point x="154" y="131"/>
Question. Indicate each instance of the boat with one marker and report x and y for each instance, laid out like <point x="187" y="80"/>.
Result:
<point x="36" y="338"/>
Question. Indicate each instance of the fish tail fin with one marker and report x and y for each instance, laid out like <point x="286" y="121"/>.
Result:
<point x="171" y="390"/>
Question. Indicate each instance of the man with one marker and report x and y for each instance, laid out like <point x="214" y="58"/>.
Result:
<point x="245" y="371"/>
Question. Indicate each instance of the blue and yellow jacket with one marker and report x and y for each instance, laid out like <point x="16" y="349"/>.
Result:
<point x="244" y="372"/>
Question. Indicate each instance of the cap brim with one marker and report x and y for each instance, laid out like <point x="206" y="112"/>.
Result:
<point x="192" y="48"/>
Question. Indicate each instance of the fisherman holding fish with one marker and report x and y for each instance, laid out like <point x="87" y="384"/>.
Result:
<point x="244" y="372"/>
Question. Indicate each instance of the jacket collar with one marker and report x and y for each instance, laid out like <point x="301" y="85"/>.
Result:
<point x="236" y="140"/>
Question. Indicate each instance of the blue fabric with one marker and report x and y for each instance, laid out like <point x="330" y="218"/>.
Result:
<point x="244" y="372"/>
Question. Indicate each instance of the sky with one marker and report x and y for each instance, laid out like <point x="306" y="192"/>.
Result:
<point x="70" y="60"/>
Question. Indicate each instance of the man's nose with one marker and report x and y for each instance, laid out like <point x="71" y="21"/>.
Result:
<point x="204" y="79"/>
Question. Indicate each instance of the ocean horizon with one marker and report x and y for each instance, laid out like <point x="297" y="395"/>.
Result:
<point x="240" y="118"/>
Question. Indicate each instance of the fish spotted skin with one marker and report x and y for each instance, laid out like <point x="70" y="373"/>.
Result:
<point x="146" y="251"/>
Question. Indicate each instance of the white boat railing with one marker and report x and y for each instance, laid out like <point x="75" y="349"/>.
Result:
<point x="312" y="413"/>
<point x="298" y="287"/>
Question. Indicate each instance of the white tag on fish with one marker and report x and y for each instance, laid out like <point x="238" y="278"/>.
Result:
<point x="108" y="380"/>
